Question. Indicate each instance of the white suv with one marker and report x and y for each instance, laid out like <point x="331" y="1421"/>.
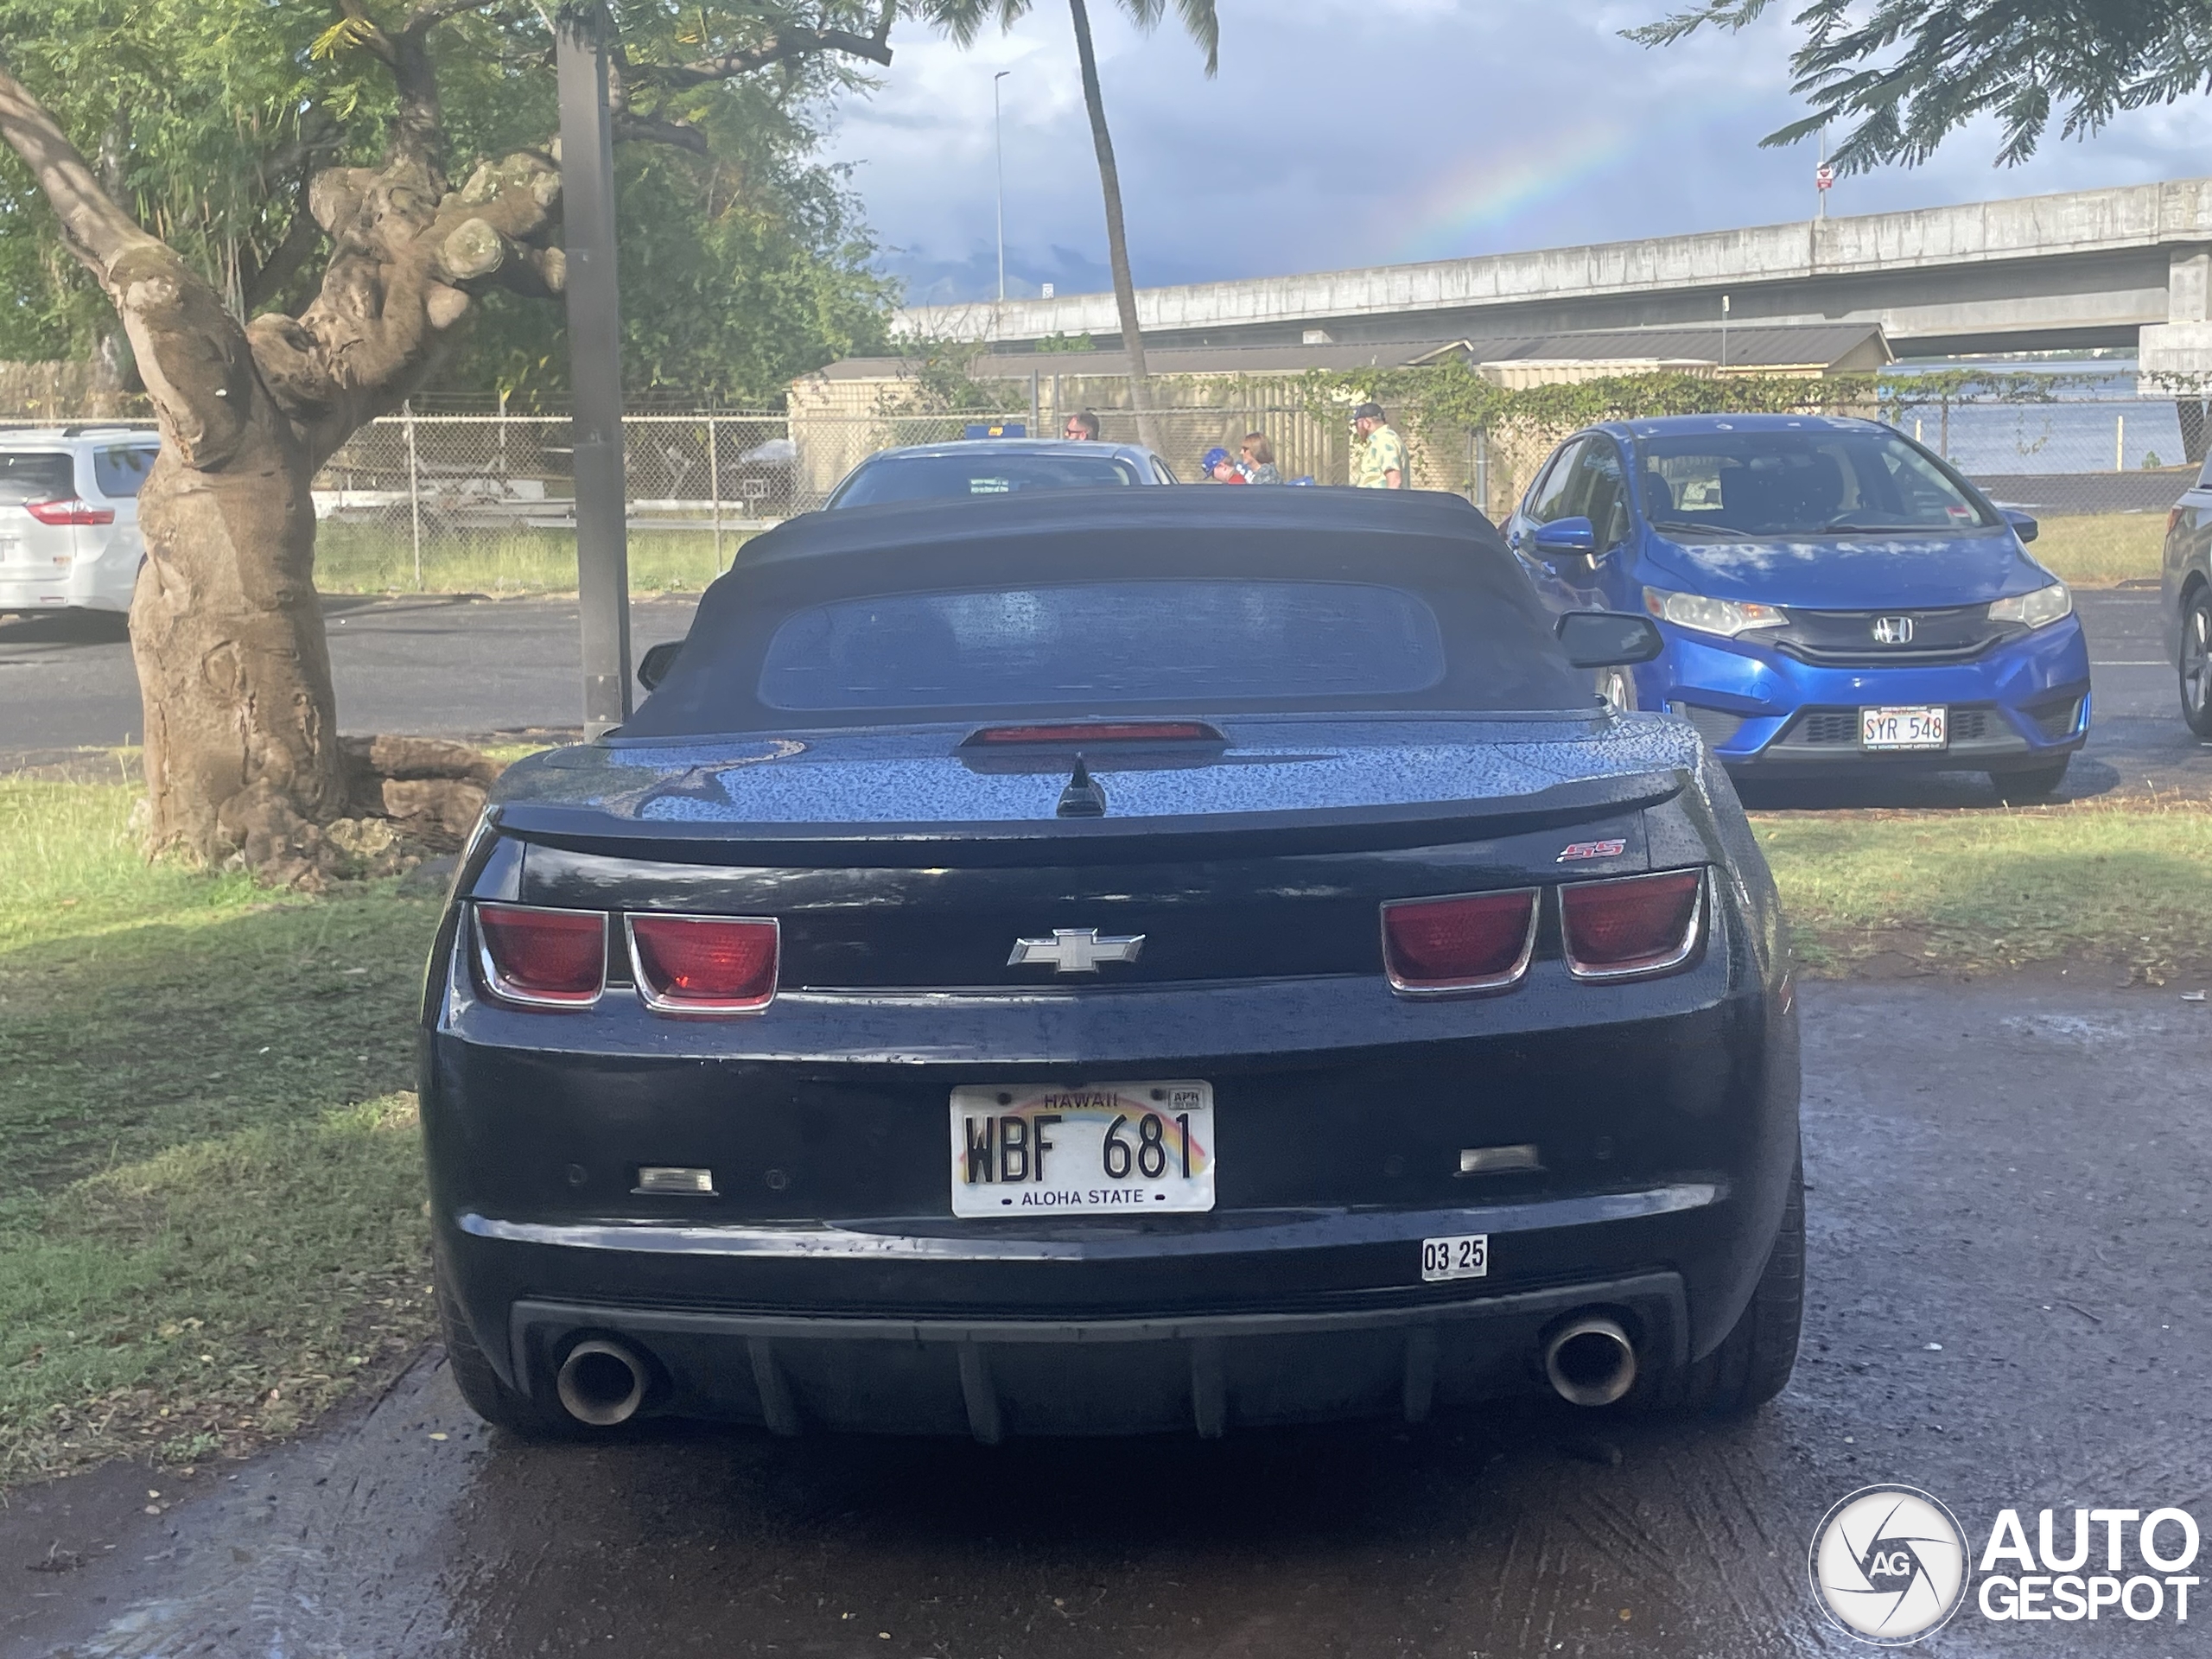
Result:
<point x="69" y="536"/>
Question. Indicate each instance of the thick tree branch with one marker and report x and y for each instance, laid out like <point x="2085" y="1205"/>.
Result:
<point x="777" y="49"/>
<point x="428" y="15"/>
<point x="418" y="130"/>
<point x="96" y="228"/>
<point x="633" y="129"/>
<point x="259" y="284"/>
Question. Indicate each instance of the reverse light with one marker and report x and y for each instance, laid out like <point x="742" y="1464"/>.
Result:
<point x="1471" y="942"/>
<point x="531" y="957"/>
<point x="704" y="965"/>
<point x="1633" y="926"/>
<point x="2037" y="610"/>
<point x="69" y="512"/>
<point x="1725" y="617"/>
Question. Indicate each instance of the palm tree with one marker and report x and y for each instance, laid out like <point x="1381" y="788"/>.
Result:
<point x="963" y="19"/>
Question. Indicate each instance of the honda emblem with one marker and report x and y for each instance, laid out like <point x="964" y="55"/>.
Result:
<point x="1892" y="630"/>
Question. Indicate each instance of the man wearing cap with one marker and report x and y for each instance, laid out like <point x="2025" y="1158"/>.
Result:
<point x="1378" y="461"/>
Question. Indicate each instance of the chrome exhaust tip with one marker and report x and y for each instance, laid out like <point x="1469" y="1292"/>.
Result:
<point x="1589" y="1361"/>
<point x="601" y="1383"/>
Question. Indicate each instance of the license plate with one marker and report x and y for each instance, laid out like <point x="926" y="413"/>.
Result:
<point x="1915" y="728"/>
<point x="1104" y="1149"/>
<point x="1463" y="1256"/>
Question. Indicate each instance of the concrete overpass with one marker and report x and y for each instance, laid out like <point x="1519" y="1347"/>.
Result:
<point x="2129" y="266"/>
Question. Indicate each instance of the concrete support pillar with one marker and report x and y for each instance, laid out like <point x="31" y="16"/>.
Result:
<point x="2181" y="345"/>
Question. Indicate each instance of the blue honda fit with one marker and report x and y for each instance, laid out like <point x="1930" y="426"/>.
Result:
<point x="1835" y="598"/>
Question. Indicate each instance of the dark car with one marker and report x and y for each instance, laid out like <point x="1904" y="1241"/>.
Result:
<point x="1835" y="598"/>
<point x="939" y="472"/>
<point x="1110" y="962"/>
<point x="2185" y="600"/>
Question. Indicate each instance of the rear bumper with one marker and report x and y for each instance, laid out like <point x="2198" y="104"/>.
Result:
<point x="824" y="1279"/>
<point x="991" y="1378"/>
<point x="100" y="583"/>
<point x="2021" y="706"/>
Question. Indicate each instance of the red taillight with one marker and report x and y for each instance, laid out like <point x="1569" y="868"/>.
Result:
<point x="542" y="959"/>
<point x="1071" y="733"/>
<point x="1638" y="925"/>
<point x="704" y="965"/>
<point x="1473" y="941"/>
<point x="70" y="511"/>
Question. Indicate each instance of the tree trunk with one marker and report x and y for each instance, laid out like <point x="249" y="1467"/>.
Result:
<point x="242" y="752"/>
<point x="241" y="720"/>
<point x="1117" y="246"/>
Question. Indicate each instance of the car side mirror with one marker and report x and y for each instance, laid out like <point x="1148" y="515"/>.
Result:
<point x="1609" y="638"/>
<point x="653" y="666"/>
<point x="1565" y="538"/>
<point x="2023" y="523"/>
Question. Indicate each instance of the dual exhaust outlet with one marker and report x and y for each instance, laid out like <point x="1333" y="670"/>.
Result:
<point x="1589" y="1361"/>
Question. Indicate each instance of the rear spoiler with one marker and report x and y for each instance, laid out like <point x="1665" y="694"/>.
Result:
<point x="594" y="829"/>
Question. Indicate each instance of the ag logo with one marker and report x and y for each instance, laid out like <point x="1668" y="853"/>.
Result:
<point x="1889" y="1564"/>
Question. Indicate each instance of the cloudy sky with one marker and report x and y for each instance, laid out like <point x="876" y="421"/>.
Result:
<point x="1372" y="134"/>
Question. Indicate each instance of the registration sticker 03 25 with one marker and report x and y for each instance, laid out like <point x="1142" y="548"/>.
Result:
<point x="1465" y="1255"/>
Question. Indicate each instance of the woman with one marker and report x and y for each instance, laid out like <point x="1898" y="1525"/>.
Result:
<point x="1259" y="466"/>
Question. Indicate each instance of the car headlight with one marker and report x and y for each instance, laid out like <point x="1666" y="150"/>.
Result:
<point x="2037" y="610"/>
<point x="1727" y="617"/>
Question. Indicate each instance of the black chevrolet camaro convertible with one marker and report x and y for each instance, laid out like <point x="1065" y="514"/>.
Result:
<point x="1111" y="961"/>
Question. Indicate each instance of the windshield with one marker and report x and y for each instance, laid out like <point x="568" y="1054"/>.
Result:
<point x="1813" y="482"/>
<point x="930" y="478"/>
<point x="1195" y="643"/>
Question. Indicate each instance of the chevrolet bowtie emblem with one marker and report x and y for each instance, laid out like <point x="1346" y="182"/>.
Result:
<point x="1075" y="951"/>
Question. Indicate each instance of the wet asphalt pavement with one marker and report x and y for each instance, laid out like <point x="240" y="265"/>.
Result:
<point x="461" y="667"/>
<point x="2017" y="1172"/>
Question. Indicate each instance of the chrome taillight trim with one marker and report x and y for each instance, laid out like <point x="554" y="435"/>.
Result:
<point x="1504" y="982"/>
<point x="660" y="1004"/>
<point x="1693" y="935"/>
<point x="501" y="989"/>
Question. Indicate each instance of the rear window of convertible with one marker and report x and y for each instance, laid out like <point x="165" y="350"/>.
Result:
<point x="1190" y="642"/>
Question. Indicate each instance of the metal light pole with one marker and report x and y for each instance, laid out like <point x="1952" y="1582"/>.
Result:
<point x="998" y="147"/>
<point x="583" y="34"/>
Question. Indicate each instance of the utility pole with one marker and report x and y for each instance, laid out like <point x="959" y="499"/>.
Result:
<point x="583" y="33"/>
<point x="998" y="149"/>
<point x="1724" y="331"/>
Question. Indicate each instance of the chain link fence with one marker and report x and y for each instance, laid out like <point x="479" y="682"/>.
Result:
<point x="485" y="502"/>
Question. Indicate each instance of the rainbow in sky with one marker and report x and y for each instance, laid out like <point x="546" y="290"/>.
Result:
<point x="1492" y="187"/>
<point x="1462" y="211"/>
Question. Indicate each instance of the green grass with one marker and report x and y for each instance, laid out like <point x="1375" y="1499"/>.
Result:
<point x="378" y="559"/>
<point x="1981" y="891"/>
<point x="2103" y="549"/>
<point x="211" y="1220"/>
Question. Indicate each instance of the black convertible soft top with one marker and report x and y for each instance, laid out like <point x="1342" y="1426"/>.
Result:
<point x="1494" y="641"/>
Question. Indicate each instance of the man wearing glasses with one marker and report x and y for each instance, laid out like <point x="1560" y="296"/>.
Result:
<point x="1082" y="427"/>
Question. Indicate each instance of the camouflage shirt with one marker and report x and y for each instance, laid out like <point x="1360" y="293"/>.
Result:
<point x="1373" y="459"/>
